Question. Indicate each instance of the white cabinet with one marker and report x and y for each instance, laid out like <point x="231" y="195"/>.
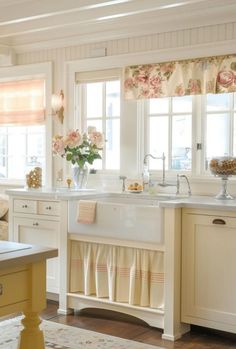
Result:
<point x="37" y="221"/>
<point x="208" y="269"/>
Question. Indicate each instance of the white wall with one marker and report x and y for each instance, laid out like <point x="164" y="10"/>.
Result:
<point x="195" y="42"/>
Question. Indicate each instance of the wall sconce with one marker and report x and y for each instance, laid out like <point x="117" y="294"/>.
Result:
<point x="57" y="104"/>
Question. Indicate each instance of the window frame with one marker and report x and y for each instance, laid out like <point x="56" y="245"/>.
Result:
<point x="199" y="129"/>
<point x="34" y="71"/>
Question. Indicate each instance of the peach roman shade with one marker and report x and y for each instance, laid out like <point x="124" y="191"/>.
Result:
<point x="22" y="102"/>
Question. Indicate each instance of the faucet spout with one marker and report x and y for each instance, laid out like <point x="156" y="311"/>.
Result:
<point x="146" y="174"/>
<point x="187" y="181"/>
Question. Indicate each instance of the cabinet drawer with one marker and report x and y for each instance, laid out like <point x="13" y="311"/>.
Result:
<point x="22" y="224"/>
<point x="25" y="206"/>
<point x="9" y="293"/>
<point x="49" y="208"/>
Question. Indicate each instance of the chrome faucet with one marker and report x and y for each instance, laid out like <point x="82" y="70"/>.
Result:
<point x="146" y="174"/>
<point x="178" y="184"/>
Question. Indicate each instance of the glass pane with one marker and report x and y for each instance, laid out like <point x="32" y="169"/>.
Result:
<point x="112" y="144"/>
<point x="218" y="102"/>
<point x="182" y="104"/>
<point x="97" y="164"/>
<point x="94" y="100"/>
<point x="3" y="167"/>
<point x="35" y="145"/>
<point x="3" y="149"/>
<point x="181" y="142"/>
<point x="95" y="123"/>
<point x="158" y="140"/>
<point x="3" y="130"/>
<point x="18" y="139"/>
<point x="113" y="98"/>
<point x="16" y="167"/>
<point x="159" y="105"/>
<point x="217" y="135"/>
<point x="16" y="130"/>
<point x="36" y="129"/>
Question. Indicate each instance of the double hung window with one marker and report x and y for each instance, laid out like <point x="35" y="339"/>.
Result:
<point x="99" y="106"/>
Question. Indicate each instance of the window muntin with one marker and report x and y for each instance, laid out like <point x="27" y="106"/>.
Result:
<point x="101" y="108"/>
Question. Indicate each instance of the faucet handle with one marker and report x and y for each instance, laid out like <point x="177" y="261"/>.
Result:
<point x="177" y="185"/>
<point x="123" y="178"/>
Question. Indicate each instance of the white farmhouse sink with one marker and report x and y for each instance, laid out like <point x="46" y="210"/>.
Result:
<point x="123" y="217"/>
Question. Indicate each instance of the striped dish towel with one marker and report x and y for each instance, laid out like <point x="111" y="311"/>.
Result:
<point x="86" y="211"/>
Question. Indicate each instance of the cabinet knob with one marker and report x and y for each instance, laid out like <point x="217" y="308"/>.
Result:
<point x="1" y="289"/>
<point x="218" y="221"/>
<point x="35" y="224"/>
<point x="24" y="206"/>
<point x="48" y="208"/>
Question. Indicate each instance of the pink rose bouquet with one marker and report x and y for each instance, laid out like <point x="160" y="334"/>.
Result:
<point x="79" y="148"/>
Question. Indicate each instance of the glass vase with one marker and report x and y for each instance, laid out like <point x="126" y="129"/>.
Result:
<point x="80" y="176"/>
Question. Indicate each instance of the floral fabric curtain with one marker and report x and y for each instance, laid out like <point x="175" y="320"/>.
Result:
<point x="22" y="102"/>
<point x="188" y="77"/>
<point x="120" y="274"/>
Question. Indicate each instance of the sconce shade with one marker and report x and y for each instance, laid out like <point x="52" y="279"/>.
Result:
<point x="57" y="102"/>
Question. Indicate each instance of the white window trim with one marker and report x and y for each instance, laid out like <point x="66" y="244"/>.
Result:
<point x="35" y="71"/>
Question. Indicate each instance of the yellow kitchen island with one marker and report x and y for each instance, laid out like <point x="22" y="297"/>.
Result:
<point x="23" y="287"/>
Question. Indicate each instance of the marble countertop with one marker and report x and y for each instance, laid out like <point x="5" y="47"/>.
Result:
<point x="163" y="200"/>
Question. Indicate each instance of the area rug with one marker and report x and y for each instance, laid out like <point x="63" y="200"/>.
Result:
<point x="58" y="336"/>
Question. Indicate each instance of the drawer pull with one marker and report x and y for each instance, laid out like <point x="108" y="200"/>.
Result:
<point x="218" y="221"/>
<point x="24" y="206"/>
<point x="48" y="208"/>
<point x="1" y="289"/>
<point x="35" y="224"/>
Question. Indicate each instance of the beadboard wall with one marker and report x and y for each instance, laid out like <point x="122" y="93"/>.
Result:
<point x="186" y="40"/>
<point x="161" y="41"/>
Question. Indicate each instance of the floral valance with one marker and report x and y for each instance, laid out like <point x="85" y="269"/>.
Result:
<point x="187" y="77"/>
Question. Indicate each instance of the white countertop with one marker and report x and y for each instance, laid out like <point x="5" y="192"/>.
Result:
<point x="165" y="200"/>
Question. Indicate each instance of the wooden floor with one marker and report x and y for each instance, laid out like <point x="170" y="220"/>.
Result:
<point x="120" y="325"/>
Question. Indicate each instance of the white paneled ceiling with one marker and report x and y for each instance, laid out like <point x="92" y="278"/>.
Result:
<point x="53" y="23"/>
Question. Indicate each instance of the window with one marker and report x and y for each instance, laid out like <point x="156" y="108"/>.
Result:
<point x="21" y="147"/>
<point x="22" y="127"/>
<point x="220" y="126"/>
<point x="169" y="129"/>
<point x="100" y="107"/>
